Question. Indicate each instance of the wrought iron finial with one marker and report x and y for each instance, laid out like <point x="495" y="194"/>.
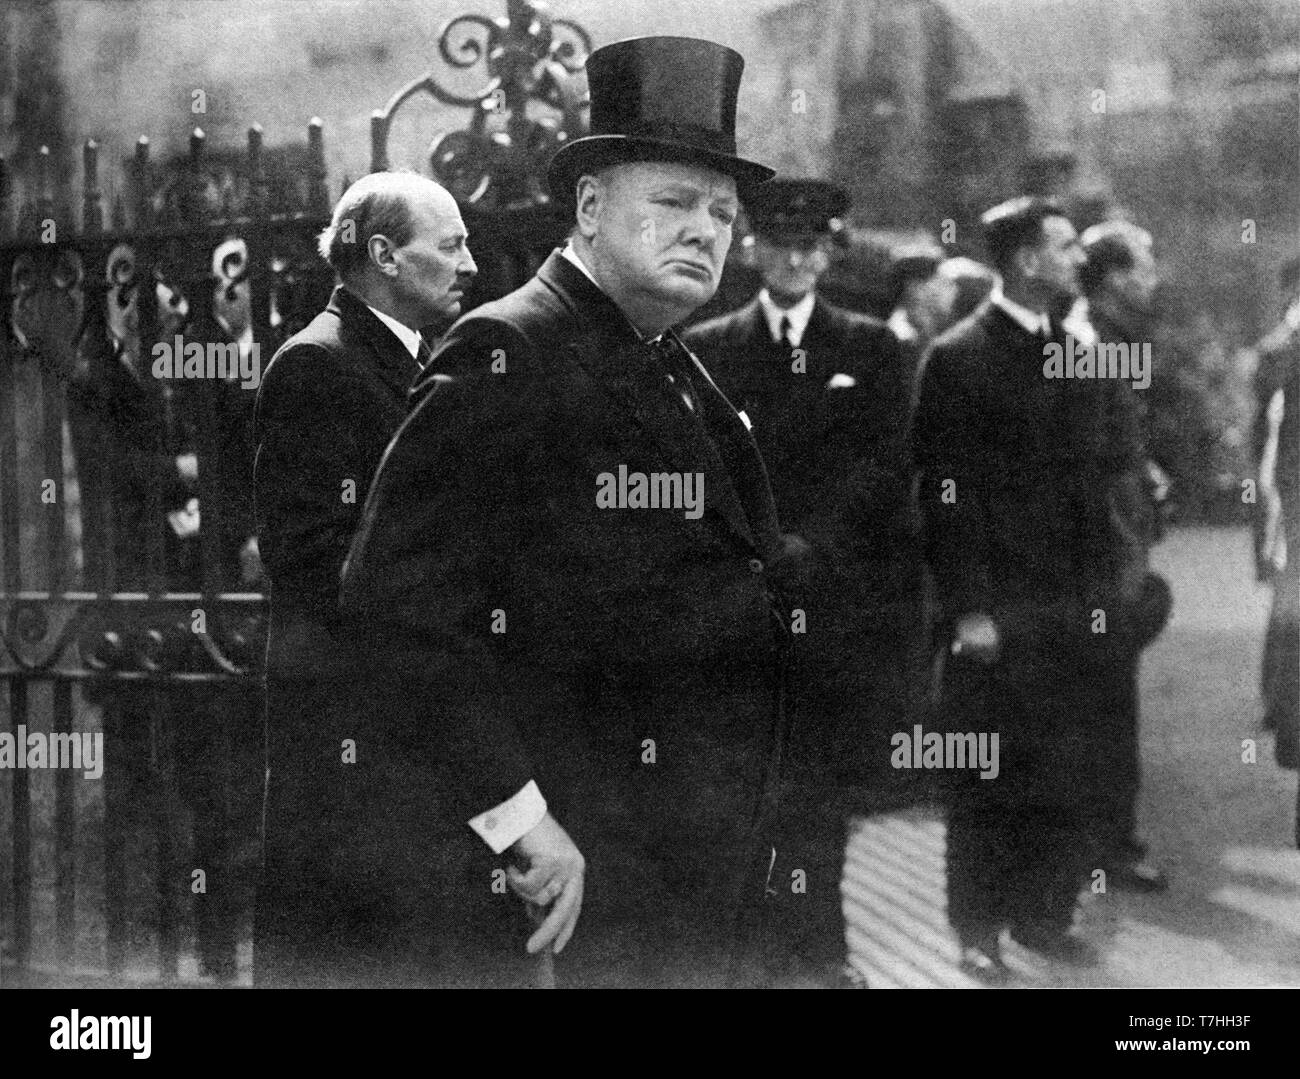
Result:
<point x="500" y="158"/>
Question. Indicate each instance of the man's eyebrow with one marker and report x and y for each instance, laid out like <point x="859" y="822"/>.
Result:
<point x="682" y="188"/>
<point x="674" y="187"/>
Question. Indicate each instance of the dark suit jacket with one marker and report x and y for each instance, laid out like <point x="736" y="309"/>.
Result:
<point x="834" y="441"/>
<point x="636" y="678"/>
<point x="1126" y="450"/>
<point x="1029" y="538"/>
<point x="330" y="399"/>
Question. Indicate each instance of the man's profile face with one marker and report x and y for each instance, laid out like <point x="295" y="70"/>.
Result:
<point x="790" y="263"/>
<point x="1054" y="264"/>
<point x="435" y="268"/>
<point x="660" y="231"/>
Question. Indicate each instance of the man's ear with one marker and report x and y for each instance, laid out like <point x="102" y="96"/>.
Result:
<point x="749" y="252"/>
<point x="1025" y="261"/>
<point x="589" y="196"/>
<point x="380" y="249"/>
<point x="823" y="257"/>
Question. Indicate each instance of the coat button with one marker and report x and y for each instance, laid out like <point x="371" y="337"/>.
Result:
<point x="756" y="565"/>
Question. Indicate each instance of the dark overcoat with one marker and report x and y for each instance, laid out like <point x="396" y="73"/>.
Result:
<point x="1015" y="474"/>
<point x="517" y="627"/>
<point x="330" y="400"/>
<point x="830" y="419"/>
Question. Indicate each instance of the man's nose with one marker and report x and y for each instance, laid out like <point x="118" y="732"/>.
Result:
<point x="701" y="227"/>
<point x="468" y="267"/>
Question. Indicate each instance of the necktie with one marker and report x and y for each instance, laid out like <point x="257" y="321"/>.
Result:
<point x="423" y="353"/>
<point x="677" y="366"/>
<point x="786" y="341"/>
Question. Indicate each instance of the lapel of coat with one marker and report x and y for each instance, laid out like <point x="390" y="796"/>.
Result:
<point x="750" y="326"/>
<point x="626" y="369"/>
<point x="746" y="471"/>
<point x="820" y="331"/>
<point x="392" y="363"/>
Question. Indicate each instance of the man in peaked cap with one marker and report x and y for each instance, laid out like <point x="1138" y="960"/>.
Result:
<point x="569" y="582"/>
<point x="826" y="392"/>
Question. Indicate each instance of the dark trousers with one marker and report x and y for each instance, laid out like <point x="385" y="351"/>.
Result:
<point x="1015" y="866"/>
<point x="1119" y="704"/>
<point x="803" y="931"/>
<point x="1281" y="667"/>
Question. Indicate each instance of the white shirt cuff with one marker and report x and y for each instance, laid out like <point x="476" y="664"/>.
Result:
<point x="503" y="825"/>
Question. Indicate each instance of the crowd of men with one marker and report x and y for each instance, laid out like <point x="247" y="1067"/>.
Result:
<point x="589" y="622"/>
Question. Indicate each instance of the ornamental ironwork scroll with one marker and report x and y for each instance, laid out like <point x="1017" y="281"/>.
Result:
<point x="530" y="103"/>
<point x="131" y="637"/>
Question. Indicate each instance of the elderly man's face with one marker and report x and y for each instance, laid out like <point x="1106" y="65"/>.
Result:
<point x="435" y="268"/>
<point x="790" y="263"/>
<point x="659" y="232"/>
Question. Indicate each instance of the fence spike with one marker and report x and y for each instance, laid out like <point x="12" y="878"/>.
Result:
<point x="256" y="172"/>
<point x="6" y="202"/>
<point x="141" y="195"/>
<point x="44" y="196"/>
<point x="378" y="142"/>
<point x="92" y="217"/>
<point x="317" y="193"/>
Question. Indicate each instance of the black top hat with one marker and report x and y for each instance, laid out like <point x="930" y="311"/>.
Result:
<point x="659" y="99"/>
<point x="796" y="206"/>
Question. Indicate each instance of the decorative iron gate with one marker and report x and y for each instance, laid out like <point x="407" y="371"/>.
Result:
<point x="130" y="597"/>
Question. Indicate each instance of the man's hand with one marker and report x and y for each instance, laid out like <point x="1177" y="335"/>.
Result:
<point x="976" y="637"/>
<point x="552" y="875"/>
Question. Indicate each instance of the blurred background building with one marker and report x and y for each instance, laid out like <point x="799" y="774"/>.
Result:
<point x="1182" y="116"/>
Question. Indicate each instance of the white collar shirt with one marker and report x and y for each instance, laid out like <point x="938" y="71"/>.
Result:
<point x="410" y="338"/>
<point x="1035" y="322"/>
<point x="798" y="315"/>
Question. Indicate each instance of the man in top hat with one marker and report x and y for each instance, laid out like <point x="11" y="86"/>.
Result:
<point x="569" y="583"/>
<point x="1039" y="598"/>
<point x="826" y="392"/>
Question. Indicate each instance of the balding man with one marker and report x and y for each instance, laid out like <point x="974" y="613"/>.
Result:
<point x="329" y="402"/>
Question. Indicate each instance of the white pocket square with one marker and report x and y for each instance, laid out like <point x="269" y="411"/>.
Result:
<point x="841" y="381"/>
<point x="745" y="420"/>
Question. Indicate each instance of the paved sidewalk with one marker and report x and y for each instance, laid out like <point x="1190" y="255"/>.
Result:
<point x="1223" y="829"/>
